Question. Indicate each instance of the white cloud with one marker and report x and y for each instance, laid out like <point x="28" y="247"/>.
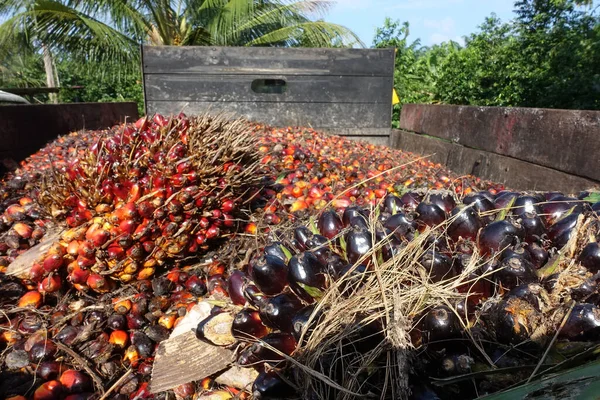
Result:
<point x="423" y="4"/>
<point x="446" y="25"/>
<point x="437" y="38"/>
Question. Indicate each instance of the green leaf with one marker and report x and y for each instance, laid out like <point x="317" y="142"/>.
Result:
<point x="312" y="225"/>
<point x="504" y="211"/>
<point x="288" y="254"/>
<point x="313" y="292"/>
<point x="594" y="197"/>
<point x="343" y="244"/>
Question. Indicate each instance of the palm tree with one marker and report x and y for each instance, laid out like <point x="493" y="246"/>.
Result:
<point x="113" y="29"/>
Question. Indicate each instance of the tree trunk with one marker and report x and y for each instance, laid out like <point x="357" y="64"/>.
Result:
<point x="49" y="67"/>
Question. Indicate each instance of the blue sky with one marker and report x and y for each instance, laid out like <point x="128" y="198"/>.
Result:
<point x="433" y="21"/>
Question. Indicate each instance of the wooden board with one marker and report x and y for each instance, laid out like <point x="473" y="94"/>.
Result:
<point x="238" y="88"/>
<point x="564" y="140"/>
<point x="352" y="117"/>
<point x="185" y="359"/>
<point x="267" y="60"/>
<point x="515" y="174"/>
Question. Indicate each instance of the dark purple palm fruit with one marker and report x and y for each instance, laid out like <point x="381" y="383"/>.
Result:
<point x="499" y="235"/>
<point x="442" y="199"/>
<point x="235" y="287"/>
<point x="505" y="199"/>
<point x="277" y="249"/>
<point x="550" y="196"/>
<point x="269" y="273"/>
<point x="513" y="320"/>
<point x="456" y="364"/>
<point x="590" y="257"/>
<point x="329" y="224"/>
<point x="358" y="243"/>
<point x="438" y="266"/>
<point x="465" y="223"/>
<point x="358" y="222"/>
<point x="411" y="200"/>
<point x="353" y="212"/>
<point x="307" y="276"/>
<point x="248" y="325"/>
<point x="277" y="312"/>
<point x="586" y="291"/>
<point x="303" y="324"/>
<point x="301" y="236"/>
<point x="560" y="232"/>
<point x="253" y="295"/>
<point x="557" y="207"/>
<point x="596" y="208"/>
<point x="477" y="288"/>
<point x="481" y="203"/>
<point x="534" y="227"/>
<point x="583" y="324"/>
<point x="518" y="250"/>
<point x="334" y="265"/>
<point x="270" y="386"/>
<point x="319" y="246"/>
<point x="440" y="323"/>
<point x="392" y="204"/>
<point x="401" y="225"/>
<point x="526" y="204"/>
<point x="429" y="214"/>
<point x="533" y="293"/>
<point x="514" y="271"/>
<point x="353" y="278"/>
<point x="539" y="256"/>
<point x="261" y="350"/>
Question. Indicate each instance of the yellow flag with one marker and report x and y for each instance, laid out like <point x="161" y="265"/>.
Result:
<point x="395" y="99"/>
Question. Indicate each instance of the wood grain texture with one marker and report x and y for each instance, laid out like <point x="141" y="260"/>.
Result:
<point x="237" y="88"/>
<point x="565" y="140"/>
<point x="267" y="61"/>
<point x="515" y="174"/>
<point x="186" y="359"/>
<point x="352" y="117"/>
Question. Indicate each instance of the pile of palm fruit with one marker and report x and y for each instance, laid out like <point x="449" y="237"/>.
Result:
<point x="344" y="269"/>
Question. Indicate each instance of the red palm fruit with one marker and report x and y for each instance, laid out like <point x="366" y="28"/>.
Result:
<point x="443" y="200"/>
<point x="187" y="390"/>
<point x="119" y="338"/>
<point x="358" y="243"/>
<point x="131" y="356"/>
<point x="440" y="323"/>
<point x="216" y="284"/>
<point x="87" y="249"/>
<point x="52" y="262"/>
<point x="270" y="274"/>
<point x="329" y="224"/>
<point x="122" y="306"/>
<point x="85" y="262"/>
<point x="429" y="214"/>
<point x="227" y="206"/>
<point x="73" y="248"/>
<point x="51" y="390"/>
<point x="49" y="370"/>
<point x="50" y="284"/>
<point x="18" y="397"/>
<point x="465" y="223"/>
<point x="212" y="232"/>
<point x="78" y="275"/>
<point x="248" y="325"/>
<point x="38" y="233"/>
<point x="127" y="226"/>
<point x="32" y="299"/>
<point x="277" y="312"/>
<point x="250" y="229"/>
<point x="23" y="230"/>
<point x="269" y="385"/>
<point x="499" y="235"/>
<point x="167" y="320"/>
<point x="98" y="283"/>
<point x="98" y="237"/>
<point x="75" y="381"/>
<point x="42" y="350"/>
<point x="235" y="287"/>
<point x="590" y="257"/>
<point x="438" y="266"/>
<point x="14" y="212"/>
<point x="146" y="209"/>
<point x="128" y="211"/>
<point x="196" y="286"/>
<point x="37" y="272"/>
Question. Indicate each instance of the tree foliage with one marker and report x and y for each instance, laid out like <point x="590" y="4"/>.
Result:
<point x="547" y="56"/>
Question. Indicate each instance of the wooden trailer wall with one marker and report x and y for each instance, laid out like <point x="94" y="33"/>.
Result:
<point x="343" y="91"/>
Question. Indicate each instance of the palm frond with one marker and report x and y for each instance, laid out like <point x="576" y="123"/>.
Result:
<point x="309" y="34"/>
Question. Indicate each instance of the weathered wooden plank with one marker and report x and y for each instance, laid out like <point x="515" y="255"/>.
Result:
<point x="23" y="127"/>
<point x="353" y="117"/>
<point x="377" y="140"/>
<point x="515" y="174"/>
<point x="565" y="140"/>
<point x="267" y="60"/>
<point x="238" y="88"/>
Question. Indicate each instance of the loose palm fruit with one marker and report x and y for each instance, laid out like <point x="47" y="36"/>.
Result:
<point x="247" y="325"/>
<point x="49" y="370"/>
<point x="270" y="386"/>
<point x="583" y="324"/>
<point x="329" y="224"/>
<point x="31" y="299"/>
<point x="400" y="224"/>
<point x="270" y="274"/>
<point x="429" y="214"/>
<point x="276" y="250"/>
<point x="590" y="257"/>
<point x="358" y="243"/>
<point x="51" y="390"/>
<point x="465" y="223"/>
<point x="306" y="273"/>
<point x="277" y="312"/>
<point x="75" y="382"/>
<point x="443" y="200"/>
<point x="235" y="287"/>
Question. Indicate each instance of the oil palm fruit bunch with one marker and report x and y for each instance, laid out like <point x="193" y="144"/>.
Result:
<point x="146" y="193"/>
<point x="518" y="265"/>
